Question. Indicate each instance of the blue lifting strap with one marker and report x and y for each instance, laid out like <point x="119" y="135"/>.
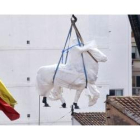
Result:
<point x="63" y="51"/>
<point x="61" y="57"/>
<point x="67" y="51"/>
<point x="85" y="72"/>
<point x="67" y="39"/>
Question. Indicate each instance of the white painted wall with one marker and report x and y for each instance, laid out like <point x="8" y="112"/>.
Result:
<point x="47" y="35"/>
<point x="75" y="122"/>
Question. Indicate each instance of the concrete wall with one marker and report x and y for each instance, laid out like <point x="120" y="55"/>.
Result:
<point x="47" y="34"/>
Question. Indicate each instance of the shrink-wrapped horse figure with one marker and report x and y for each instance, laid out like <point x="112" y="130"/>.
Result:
<point x="72" y="74"/>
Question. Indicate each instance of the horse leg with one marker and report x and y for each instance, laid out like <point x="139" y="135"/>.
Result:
<point x="63" y="102"/>
<point x="44" y="91"/>
<point x="45" y="102"/>
<point x="93" y="89"/>
<point x="77" y="96"/>
<point x="57" y="93"/>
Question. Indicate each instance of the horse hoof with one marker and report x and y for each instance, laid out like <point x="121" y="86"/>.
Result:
<point x="76" y="106"/>
<point x="64" y="105"/>
<point x="46" y="105"/>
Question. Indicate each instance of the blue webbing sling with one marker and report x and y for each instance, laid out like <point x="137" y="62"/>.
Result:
<point x="80" y="44"/>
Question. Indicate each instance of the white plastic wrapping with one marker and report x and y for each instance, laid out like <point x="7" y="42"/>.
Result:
<point x="72" y="74"/>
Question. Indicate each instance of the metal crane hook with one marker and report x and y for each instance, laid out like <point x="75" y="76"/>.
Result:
<point x="74" y="20"/>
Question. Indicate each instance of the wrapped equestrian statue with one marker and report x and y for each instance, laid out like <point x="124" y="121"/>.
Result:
<point x="79" y="72"/>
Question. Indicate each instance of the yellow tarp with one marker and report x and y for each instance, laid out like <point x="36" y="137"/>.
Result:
<point x="6" y="95"/>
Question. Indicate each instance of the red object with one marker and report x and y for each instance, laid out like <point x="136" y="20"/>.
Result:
<point x="9" y="111"/>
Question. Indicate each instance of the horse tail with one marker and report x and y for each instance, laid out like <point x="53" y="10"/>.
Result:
<point x="56" y="93"/>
